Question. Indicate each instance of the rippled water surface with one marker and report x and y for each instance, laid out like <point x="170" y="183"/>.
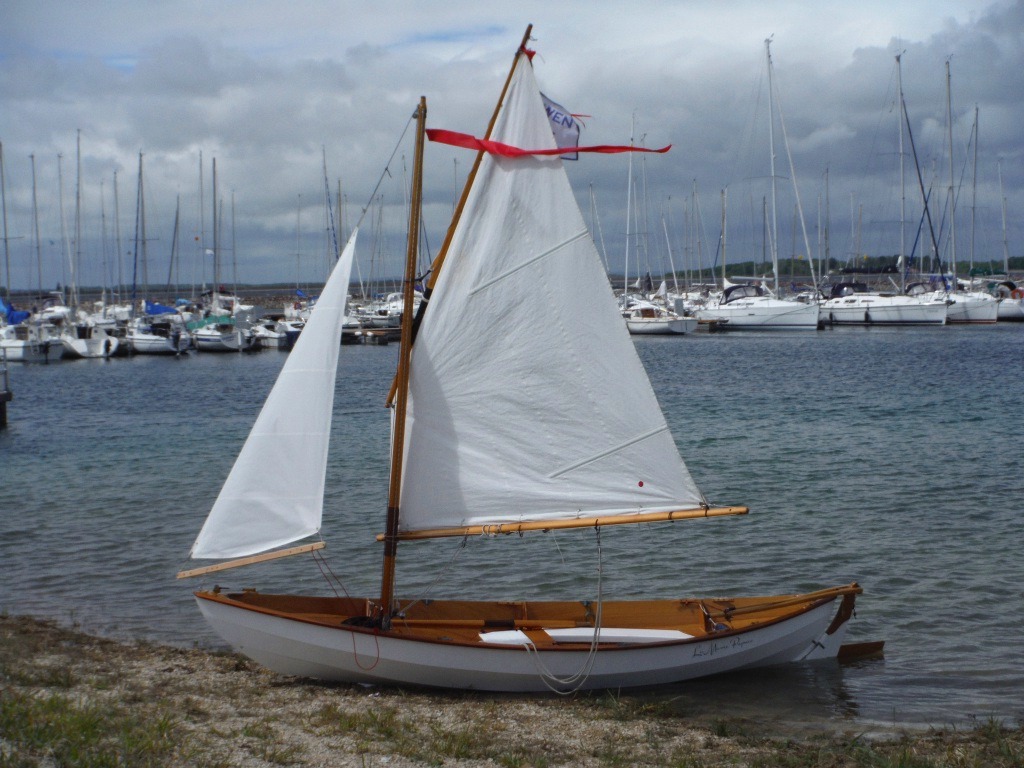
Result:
<point x="887" y="457"/>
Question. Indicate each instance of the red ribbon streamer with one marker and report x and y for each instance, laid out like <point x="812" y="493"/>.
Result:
<point x="464" y="140"/>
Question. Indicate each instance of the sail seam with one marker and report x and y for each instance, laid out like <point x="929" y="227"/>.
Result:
<point x="528" y="262"/>
<point x="608" y="452"/>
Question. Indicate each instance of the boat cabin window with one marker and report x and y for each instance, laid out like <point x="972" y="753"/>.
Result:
<point x="734" y="292"/>
<point x="847" y="289"/>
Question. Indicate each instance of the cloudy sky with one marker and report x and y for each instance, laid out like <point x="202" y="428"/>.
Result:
<point x="276" y="91"/>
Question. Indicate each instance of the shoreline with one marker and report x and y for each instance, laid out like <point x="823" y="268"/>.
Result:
<point x="67" y="697"/>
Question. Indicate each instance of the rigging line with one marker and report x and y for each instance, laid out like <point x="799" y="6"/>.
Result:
<point x="328" y="574"/>
<point x="426" y="594"/>
<point x="355" y="652"/>
<point x="330" y="208"/>
<point x="569" y="685"/>
<point x="386" y="171"/>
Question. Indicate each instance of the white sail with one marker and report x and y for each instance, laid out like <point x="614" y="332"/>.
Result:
<point x="528" y="403"/>
<point x="275" y="491"/>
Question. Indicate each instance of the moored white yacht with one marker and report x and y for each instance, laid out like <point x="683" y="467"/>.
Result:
<point x="29" y="343"/>
<point x="159" y="335"/>
<point x="268" y="333"/>
<point x="1011" y="302"/>
<point x="963" y="306"/>
<point x="647" y="318"/>
<point x="751" y="307"/>
<point x="852" y="303"/>
<point x="222" y="335"/>
<point x="88" y="340"/>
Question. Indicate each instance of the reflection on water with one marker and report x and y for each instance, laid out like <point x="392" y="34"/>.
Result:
<point x="883" y="456"/>
<point x="797" y="693"/>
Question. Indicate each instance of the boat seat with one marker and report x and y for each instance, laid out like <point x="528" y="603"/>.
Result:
<point x="622" y="636"/>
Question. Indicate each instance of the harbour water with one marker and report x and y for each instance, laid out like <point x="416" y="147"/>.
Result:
<point x="891" y="457"/>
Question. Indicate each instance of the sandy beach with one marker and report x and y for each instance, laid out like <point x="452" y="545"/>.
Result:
<point x="69" y="698"/>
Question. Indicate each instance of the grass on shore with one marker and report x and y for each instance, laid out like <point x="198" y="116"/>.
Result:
<point x="71" y="699"/>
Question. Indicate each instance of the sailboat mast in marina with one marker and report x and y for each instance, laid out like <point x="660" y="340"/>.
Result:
<point x="501" y="425"/>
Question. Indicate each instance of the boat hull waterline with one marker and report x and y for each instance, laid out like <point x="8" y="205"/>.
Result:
<point x="314" y="643"/>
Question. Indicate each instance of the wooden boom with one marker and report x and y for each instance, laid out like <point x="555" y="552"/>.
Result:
<point x="493" y="529"/>
<point x="252" y="559"/>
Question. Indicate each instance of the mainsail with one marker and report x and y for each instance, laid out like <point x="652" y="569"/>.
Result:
<point x="275" y="491"/>
<point x="560" y="423"/>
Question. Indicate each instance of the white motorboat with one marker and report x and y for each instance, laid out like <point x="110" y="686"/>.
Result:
<point x="222" y="335"/>
<point x="268" y="334"/>
<point x="86" y="340"/>
<point x="28" y="342"/>
<point x="646" y="318"/>
<point x="159" y="335"/>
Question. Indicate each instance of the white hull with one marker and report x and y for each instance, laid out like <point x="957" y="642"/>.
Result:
<point x="210" y="340"/>
<point x="364" y="655"/>
<point x="23" y="351"/>
<point x="153" y="344"/>
<point x="882" y="310"/>
<point x="762" y="313"/>
<point x="1010" y="310"/>
<point x="972" y="308"/>
<point x="661" y="325"/>
<point x="98" y="344"/>
<point x="264" y="338"/>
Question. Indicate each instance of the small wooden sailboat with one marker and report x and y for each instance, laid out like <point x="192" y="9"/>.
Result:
<point x="480" y="454"/>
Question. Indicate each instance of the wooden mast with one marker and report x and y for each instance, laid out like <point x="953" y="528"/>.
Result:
<point x="435" y="266"/>
<point x="402" y="377"/>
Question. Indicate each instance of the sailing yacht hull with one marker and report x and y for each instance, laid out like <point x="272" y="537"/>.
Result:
<point x="762" y="314"/>
<point x="872" y="309"/>
<point x="973" y="308"/>
<point x="1010" y="310"/>
<point x="318" y="645"/>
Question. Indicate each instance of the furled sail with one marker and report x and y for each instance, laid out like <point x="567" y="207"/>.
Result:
<point x="527" y="401"/>
<point x="275" y="491"/>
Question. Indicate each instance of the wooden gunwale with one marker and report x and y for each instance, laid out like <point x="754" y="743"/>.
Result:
<point x="433" y="634"/>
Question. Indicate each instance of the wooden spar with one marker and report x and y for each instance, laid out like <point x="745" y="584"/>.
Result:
<point x="250" y="560"/>
<point x="387" y="586"/>
<point x="439" y="259"/>
<point x="495" y="529"/>
<point x="435" y="267"/>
